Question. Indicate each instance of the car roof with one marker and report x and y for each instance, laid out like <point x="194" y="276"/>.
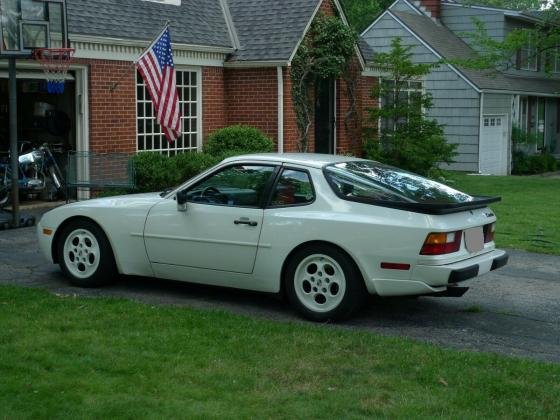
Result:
<point x="315" y="160"/>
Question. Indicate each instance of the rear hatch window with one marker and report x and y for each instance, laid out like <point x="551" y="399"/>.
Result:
<point x="375" y="183"/>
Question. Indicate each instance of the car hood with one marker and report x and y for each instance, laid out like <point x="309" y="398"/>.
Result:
<point x="131" y="200"/>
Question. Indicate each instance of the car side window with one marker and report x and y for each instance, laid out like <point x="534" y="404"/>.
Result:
<point x="237" y="186"/>
<point x="293" y="188"/>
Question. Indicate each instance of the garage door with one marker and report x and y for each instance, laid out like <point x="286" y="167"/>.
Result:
<point x="494" y="145"/>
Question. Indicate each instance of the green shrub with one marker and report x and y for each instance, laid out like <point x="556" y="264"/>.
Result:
<point x="236" y="140"/>
<point x="524" y="164"/>
<point x="156" y="172"/>
<point x="191" y="164"/>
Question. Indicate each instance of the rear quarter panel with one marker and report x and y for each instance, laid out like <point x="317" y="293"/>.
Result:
<point x="369" y="234"/>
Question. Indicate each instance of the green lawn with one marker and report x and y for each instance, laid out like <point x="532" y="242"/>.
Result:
<point x="68" y="357"/>
<point x="529" y="214"/>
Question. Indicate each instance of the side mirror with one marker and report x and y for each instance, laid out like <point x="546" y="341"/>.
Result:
<point x="182" y="200"/>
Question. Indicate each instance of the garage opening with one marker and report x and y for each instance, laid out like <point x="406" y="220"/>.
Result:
<point x="45" y="121"/>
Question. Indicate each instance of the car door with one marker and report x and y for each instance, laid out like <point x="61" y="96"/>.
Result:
<point x="221" y="226"/>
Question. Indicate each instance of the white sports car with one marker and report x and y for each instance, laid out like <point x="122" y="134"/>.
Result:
<point x="324" y="230"/>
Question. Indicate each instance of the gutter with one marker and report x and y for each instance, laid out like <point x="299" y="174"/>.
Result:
<point x="145" y="44"/>
<point x="254" y="64"/>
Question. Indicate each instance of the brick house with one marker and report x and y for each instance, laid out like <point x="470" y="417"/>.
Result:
<point x="233" y="67"/>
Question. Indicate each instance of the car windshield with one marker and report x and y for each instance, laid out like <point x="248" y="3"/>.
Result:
<point x="374" y="181"/>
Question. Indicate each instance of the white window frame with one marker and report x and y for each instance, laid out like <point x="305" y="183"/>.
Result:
<point x="408" y="90"/>
<point x="531" y="61"/>
<point x="555" y="67"/>
<point x="191" y="140"/>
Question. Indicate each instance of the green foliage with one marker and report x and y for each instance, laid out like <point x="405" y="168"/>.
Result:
<point x="156" y="172"/>
<point x="67" y="357"/>
<point x="502" y="54"/>
<point x="520" y="137"/>
<point x="237" y="139"/>
<point x="407" y="138"/>
<point x="361" y="13"/>
<point x="325" y="53"/>
<point x="527" y="213"/>
<point x="524" y="164"/>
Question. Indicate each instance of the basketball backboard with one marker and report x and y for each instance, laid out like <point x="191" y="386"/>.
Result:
<point x="29" y="24"/>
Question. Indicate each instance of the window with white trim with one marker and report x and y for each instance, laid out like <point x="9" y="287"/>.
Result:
<point x="528" y="55"/>
<point x="149" y="136"/>
<point x="409" y="92"/>
<point x="555" y="67"/>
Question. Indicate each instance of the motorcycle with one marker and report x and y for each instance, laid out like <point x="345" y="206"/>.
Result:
<point x="39" y="175"/>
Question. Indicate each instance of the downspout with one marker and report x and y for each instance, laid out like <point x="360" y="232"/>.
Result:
<point x="480" y="125"/>
<point x="280" y="109"/>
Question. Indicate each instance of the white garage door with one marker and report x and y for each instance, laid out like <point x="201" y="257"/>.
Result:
<point x="494" y="145"/>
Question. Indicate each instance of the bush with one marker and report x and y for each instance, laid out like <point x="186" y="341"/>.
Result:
<point x="156" y="172"/>
<point x="236" y="140"/>
<point x="191" y="164"/>
<point x="524" y="164"/>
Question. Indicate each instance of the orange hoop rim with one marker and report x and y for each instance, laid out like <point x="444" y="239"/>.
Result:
<point x="45" y="54"/>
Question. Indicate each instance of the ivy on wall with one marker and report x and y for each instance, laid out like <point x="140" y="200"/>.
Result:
<point x="326" y="53"/>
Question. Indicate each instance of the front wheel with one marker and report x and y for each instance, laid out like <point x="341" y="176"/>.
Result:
<point x="85" y="255"/>
<point x="324" y="284"/>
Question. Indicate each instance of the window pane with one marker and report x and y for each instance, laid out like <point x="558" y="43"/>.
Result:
<point x="240" y="185"/>
<point x="374" y="181"/>
<point x="294" y="187"/>
<point x="188" y="107"/>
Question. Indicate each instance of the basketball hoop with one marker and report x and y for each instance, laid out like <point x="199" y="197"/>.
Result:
<point x="55" y="63"/>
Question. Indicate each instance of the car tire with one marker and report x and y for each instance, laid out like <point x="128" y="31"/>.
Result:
<point x="324" y="284"/>
<point x="85" y="255"/>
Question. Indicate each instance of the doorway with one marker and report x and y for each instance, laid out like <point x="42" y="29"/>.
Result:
<point x="325" y="94"/>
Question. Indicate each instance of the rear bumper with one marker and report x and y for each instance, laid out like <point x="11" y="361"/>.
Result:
<point x="426" y="279"/>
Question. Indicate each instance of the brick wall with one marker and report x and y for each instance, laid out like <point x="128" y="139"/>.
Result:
<point x="112" y="114"/>
<point x="251" y="97"/>
<point x="291" y="134"/>
<point x="213" y="100"/>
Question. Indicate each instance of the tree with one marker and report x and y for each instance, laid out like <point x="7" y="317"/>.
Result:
<point x="407" y="138"/>
<point x="325" y="53"/>
<point x="361" y="13"/>
<point x="530" y="44"/>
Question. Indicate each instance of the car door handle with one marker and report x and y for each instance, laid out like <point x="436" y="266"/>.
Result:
<point x="244" y="221"/>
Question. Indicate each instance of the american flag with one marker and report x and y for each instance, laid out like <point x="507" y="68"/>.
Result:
<point x="157" y="69"/>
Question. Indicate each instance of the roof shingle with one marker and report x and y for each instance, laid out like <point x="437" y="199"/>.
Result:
<point x="196" y="22"/>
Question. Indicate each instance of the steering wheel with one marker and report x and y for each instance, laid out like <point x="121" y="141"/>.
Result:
<point x="212" y="193"/>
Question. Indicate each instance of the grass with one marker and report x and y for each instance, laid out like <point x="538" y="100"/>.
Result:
<point x="69" y="357"/>
<point x="528" y="212"/>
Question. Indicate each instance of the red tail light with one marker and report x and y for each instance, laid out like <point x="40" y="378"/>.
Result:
<point x="489" y="232"/>
<point x="442" y="243"/>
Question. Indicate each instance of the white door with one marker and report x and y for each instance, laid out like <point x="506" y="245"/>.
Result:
<point x="221" y="227"/>
<point x="494" y="145"/>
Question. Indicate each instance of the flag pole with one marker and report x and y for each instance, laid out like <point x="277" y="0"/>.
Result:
<point x="116" y="84"/>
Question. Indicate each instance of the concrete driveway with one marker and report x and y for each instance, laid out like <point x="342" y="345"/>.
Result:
<point x="514" y="311"/>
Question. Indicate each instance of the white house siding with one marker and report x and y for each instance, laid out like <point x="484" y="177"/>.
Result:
<point x="455" y="103"/>
<point x="460" y="20"/>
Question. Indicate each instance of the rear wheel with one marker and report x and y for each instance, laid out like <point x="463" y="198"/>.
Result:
<point x="85" y="255"/>
<point x="323" y="283"/>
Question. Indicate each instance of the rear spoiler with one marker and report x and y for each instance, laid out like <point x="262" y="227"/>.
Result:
<point x="431" y="208"/>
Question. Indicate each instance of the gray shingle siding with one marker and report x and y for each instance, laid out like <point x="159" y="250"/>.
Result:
<point x="460" y="20"/>
<point x="455" y="103"/>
